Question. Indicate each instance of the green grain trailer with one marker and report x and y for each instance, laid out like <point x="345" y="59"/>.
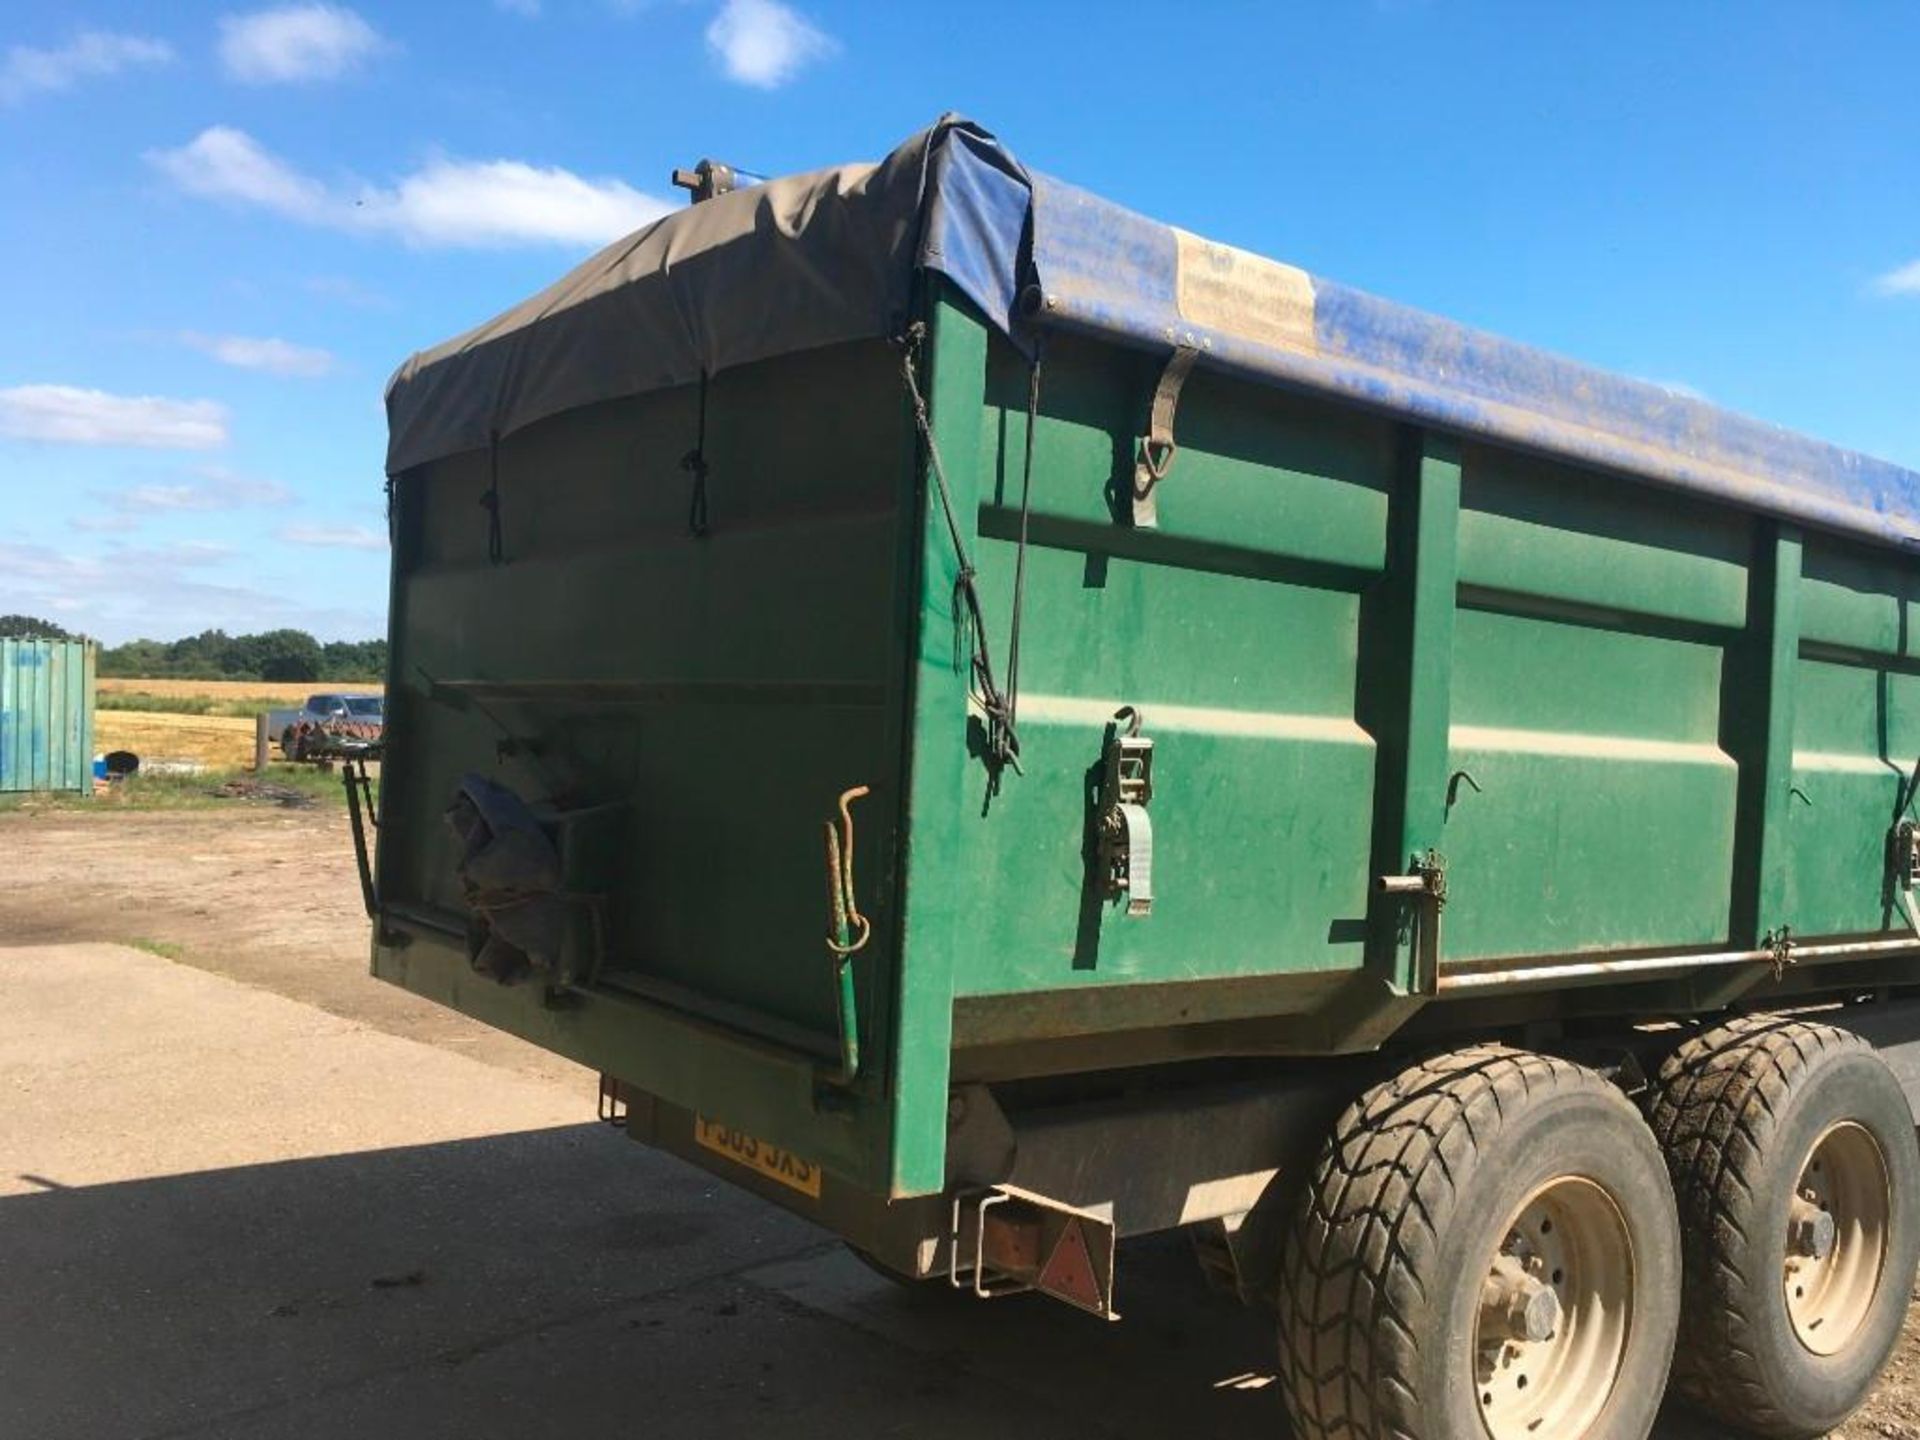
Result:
<point x="1002" y="726"/>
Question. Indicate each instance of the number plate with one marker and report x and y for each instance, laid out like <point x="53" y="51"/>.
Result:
<point x="769" y="1160"/>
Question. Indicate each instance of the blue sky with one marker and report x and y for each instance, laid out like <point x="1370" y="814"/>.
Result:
<point x="222" y="226"/>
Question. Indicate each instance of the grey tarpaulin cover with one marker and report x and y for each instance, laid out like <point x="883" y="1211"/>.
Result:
<point x="510" y="874"/>
<point x="789" y="265"/>
<point x="833" y="256"/>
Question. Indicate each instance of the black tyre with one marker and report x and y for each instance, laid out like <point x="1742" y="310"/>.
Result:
<point x="1487" y="1250"/>
<point x="1797" y="1174"/>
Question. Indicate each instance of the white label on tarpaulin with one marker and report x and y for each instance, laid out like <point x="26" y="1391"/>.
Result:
<point x="1245" y="295"/>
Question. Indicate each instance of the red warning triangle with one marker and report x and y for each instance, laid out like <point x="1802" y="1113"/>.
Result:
<point x="1068" y="1273"/>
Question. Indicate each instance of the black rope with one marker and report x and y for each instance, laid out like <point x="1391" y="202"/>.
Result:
<point x="1907" y="790"/>
<point x="694" y="462"/>
<point x="1020" y="560"/>
<point x="496" y="546"/>
<point x="970" y="626"/>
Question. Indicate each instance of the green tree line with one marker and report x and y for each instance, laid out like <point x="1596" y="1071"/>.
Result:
<point x="216" y="655"/>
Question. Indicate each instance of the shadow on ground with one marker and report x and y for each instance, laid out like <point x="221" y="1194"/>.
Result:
<point x="558" y="1283"/>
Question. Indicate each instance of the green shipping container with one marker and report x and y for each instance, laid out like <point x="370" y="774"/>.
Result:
<point x="963" y="703"/>
<point x="46" y="715"/>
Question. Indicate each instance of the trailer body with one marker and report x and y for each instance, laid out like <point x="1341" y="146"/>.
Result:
<point x="1484" y="692"/>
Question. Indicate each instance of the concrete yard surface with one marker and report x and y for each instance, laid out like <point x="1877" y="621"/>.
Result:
<point x="226" y="1213"/>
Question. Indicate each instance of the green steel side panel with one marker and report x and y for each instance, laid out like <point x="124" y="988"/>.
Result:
<point x="1856" y="737"/>
<point x="1531" y="527"/>
<point x="46" y="715"/>
<point x="1235" y="627"/>
<point x="1604" y="812"/>
<point x="1860" y="599"/>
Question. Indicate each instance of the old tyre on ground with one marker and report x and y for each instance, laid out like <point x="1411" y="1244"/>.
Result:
<point x="1797" y="1175"/>
<point x="1487" y="1250"/>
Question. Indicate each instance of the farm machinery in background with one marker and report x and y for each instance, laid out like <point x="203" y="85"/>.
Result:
<point x="331" y="726"/>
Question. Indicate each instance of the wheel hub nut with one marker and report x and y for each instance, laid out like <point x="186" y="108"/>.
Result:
<point x="1517" y="1305"/>
<point x="1811" y="1232"/>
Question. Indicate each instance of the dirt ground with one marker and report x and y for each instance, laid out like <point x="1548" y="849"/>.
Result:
<point x="261" y="894"/>
<point x="269" y="897"/>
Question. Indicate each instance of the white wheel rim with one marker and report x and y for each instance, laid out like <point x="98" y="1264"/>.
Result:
<point x="1565" y="1261"/>
<point x="1830" y="1281"/>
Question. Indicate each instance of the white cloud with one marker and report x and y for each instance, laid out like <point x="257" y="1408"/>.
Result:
<point x="275" y="357"/>
<point x="26" y="72"/>
<point x="764" y="43"/>
<point x="296" y="43"/>
<point x="529" y="8"/>
<point x="214" y="487"/>
<point x="473" y="203"/>
<point x="338" y="537"/>
<point x="507" y="202"/>
<point x="226" y="164"/>
<point x="1904" y="281"/>
<point x="69" y="415"/>
<point x="161" y="590"/>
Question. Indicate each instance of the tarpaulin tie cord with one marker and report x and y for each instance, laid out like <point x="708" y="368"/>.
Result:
<point x="1020" y="555"/>
<point x="496" y="546"/>
<point x="970" y="626"/>
<point x="694" y="462"/>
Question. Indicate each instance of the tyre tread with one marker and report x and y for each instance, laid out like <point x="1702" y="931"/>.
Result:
<point x="1379" y="1195"/>
<point x="1715" y="1104"/>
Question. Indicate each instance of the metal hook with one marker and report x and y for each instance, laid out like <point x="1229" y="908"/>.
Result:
<point x="848" y="921"/>
<point x="1453" y="786"/>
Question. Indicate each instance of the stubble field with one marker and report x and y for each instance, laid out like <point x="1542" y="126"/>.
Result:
<point x="200" y="722"/>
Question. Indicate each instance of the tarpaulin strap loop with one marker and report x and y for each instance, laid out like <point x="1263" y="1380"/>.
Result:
<point x="1157" y="447"/>
<point x="1003" y="745"/>
<point x="694" y="462"/>
<point x="496" y="545"/>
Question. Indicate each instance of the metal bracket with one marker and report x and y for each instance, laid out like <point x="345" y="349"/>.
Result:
<point x="1779" y="944"/>
<point x="1426" y="885"/>
<point x="1903" y="865"/>
<point x="1157" y="447"/>
<point x="1126" y="830"/>
<point x="612" y="1109"/>
<point x="1018" y="1241"/>
<point x="362" y="813"/>
<point x="706" y="180"/>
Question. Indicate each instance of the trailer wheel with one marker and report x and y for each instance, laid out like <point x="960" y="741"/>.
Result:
<point x="1794" y="1162"/>
<point x="1487" y="1250"/>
